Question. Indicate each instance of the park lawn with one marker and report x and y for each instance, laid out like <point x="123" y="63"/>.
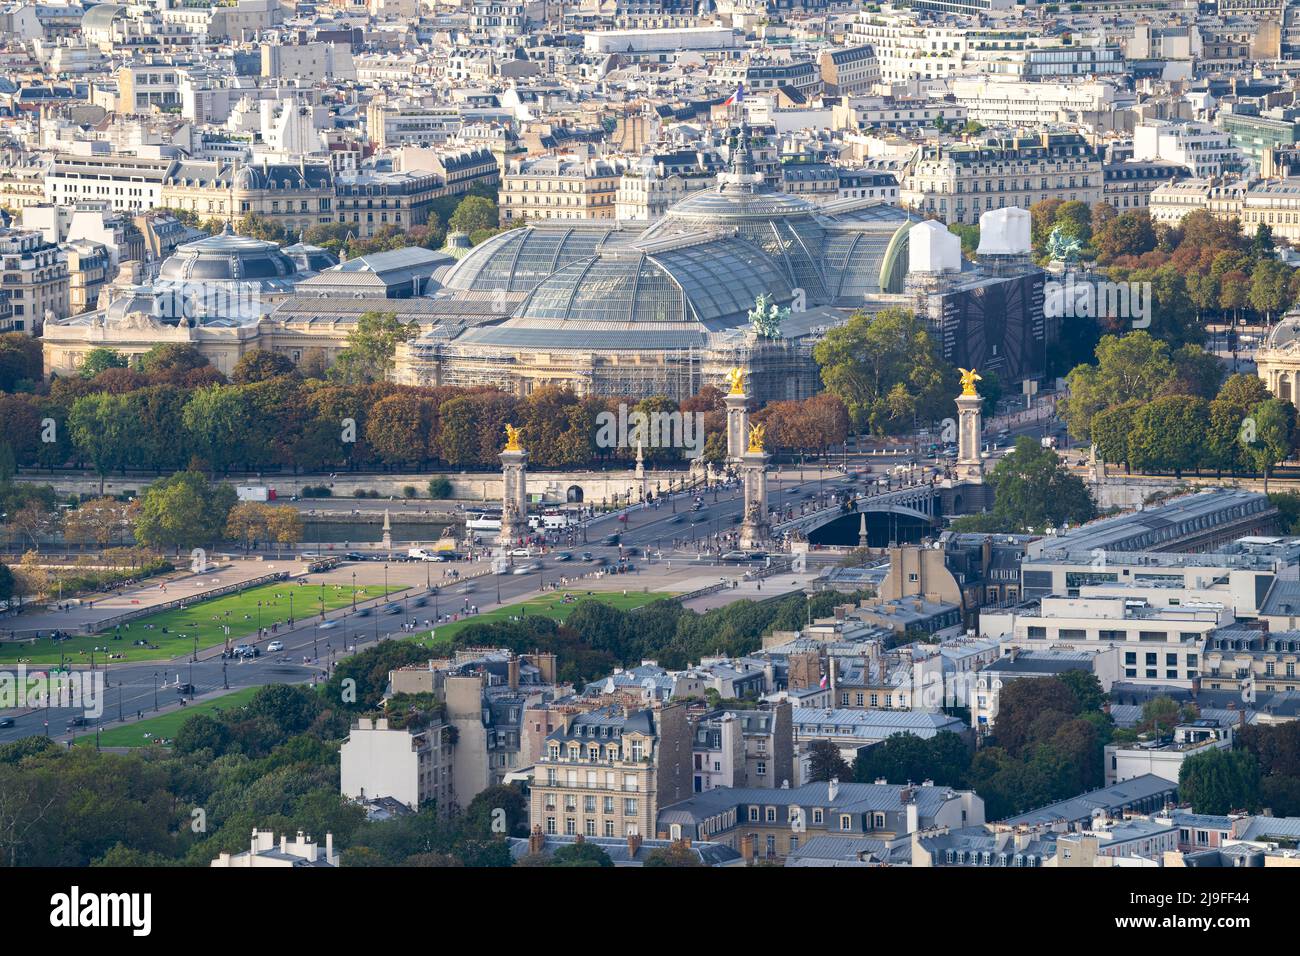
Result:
<point x="552" y="606"/>
<point x="240" y="611"/>
<point x="165" y="726"/>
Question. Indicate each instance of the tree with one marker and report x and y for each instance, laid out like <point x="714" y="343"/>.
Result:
<point x="474" y="213"/>
<point x="260" y="365"/>
<point x="1133" y="367"/>
<point x="1168" y="433"/>
<point x="1086" y="689"/>
<point x="218" y="423"/>
<point x="1160" y="716"/>
<point x="440" y="487"/>
<point x="1030" y="711"/>
<point x="1111" y="430"/>
<point x="183" y="511"/>
<point x="102" y="521"/>
<point x="103" y="431"/>
<point x="500" y="809"/>
<point x="1220" y="781"/>
<point x="678" y="854"/>
<point x="825" y="762"/>
<point x="1269" y="435"/>
<point x="887" y="371"/>
<point x="1033" y="489"/>
<point x="581" y="853"/>
<point x="164" y="359"/>
<point x="99" y="359"/>
<point x="1128" y="234"/>
<point x="372" y="345"/>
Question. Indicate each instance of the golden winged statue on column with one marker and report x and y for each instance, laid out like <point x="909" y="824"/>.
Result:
<point x="968" y="379"/>
<point x="756" y="433"/>
<point x="512" y="439"/>
<point x="736" y="378"/>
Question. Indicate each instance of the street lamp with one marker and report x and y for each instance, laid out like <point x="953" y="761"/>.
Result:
<point x="155" y="689"/>
<point x="354" y="591"/>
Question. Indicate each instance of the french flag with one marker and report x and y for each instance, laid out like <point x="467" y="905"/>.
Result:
<point x="823" y="682"/>
<point x="736" y="97"/>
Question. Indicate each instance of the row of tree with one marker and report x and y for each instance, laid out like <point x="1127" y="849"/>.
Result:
<point x="1151" y="408"/>
<point x="173" y="412"/>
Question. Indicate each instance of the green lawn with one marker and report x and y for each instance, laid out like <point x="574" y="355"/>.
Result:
<point x="165" y="726"/>
<point x="552" y="606"/>
<point x="206" y="619"/>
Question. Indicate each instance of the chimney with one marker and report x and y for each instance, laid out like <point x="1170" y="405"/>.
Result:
<point x="536" y="840"/>
<point x="832" y="789"/>
<point x="512" y="670"/>
<point x="633" y="844"/>
<point x="329" y="847"/>
<point x="284" y="844"/>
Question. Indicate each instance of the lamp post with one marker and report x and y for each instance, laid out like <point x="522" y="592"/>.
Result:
<point x="354" y="591"/>
<point x="155" y="689"/>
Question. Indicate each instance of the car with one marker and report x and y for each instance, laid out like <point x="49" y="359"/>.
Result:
<point x="275" y="646"/>
<point x="363" y="612"/>
<point x="6" y="721"/>
<point x="564" y="556"/>
<point x="586" y="556"/>
<point x="419" y="602"/>
<point x="521" y="553"/>
<point x="735" y="556"/>
<point x="393" y="609"/>
<point x="631" y="552"/>
<point x="676" y="519"/>
<point x="611" y="539"/>
<point x="354" y="556"/>
<point x="78" y="721"/>
<point x="242" y="650"/>
<point x="699" y="518"/>
<point x="468" y="588"/>
<point x="185" y="689"/>
<point x="522" y="569"/>
<point x="328" y="625"/>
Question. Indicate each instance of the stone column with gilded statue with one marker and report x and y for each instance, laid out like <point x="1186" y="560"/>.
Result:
<point x="755" y="528"/>
<point x="970" y="418"/>
<point x="514" y="490"/>
<point x="737" y="416"/>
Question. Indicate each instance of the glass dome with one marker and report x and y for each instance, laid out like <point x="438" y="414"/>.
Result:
<point x="516" y="261"/>
<point x="227" y="257"/>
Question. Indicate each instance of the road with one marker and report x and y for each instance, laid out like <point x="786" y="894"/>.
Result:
<point x="672" y="529"/>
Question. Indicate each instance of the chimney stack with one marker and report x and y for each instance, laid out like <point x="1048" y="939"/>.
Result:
<point x="536" y="840"/>
<point x="512" y="670"/>
<point x="633" y="844"/>
<point x="832" y="789"/>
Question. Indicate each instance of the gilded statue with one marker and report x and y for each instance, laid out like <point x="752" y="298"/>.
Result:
<point x="512" y="439"/>
<point x="968" y="379"/>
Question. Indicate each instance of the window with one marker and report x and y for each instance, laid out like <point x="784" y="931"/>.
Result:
<point x="846" y="822"/>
